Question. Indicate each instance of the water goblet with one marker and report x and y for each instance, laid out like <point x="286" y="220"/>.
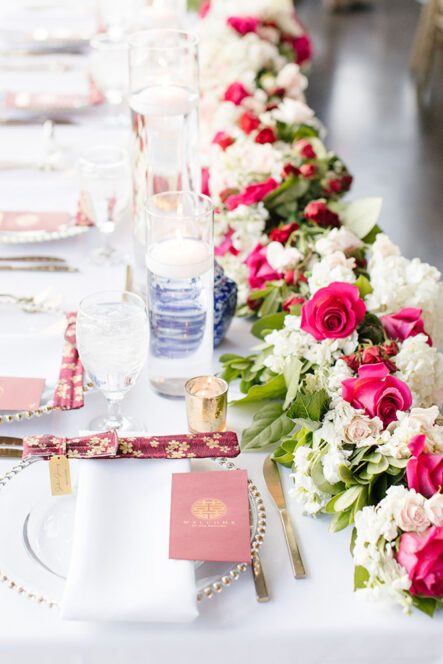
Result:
<point x="106" y="189"/>
<point x="109" y="69"/>
<point x="112" y="340"/>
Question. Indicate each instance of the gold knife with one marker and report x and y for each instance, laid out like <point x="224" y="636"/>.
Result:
<point x="39" y="268"/>
<point x="273" y="482"/>
<point x="261" y="590"/>
<point x="33" y="259"/>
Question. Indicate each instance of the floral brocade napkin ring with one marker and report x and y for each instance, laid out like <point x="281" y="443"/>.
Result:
<point x="109" y="446"/>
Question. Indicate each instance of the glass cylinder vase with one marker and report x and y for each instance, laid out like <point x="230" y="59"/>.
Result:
<point x="164" y="97"/>
<point x="180" y="266"/>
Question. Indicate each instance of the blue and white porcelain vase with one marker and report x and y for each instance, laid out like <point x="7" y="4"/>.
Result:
<point x="225" y="303"/>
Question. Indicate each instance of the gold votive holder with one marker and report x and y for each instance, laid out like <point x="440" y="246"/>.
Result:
<point x="206" y="404"/>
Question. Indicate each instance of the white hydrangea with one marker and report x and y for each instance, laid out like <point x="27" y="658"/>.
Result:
<point x="282" y="258"/>
<point x="421" y="368"/>
<point x="337" y="239"/>
<point x="305" y="490"/>
<point x="398" y="283"/>
<point x="291" y="341"/>
<point x="289" y="111"/>
<point x="419" y="421"/>
<point x="291" y="78"/>
<point x="332" y="267"/>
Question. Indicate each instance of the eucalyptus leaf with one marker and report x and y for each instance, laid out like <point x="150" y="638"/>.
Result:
<point x="271" y="303"/>
<point x="291" y="374"/>
<point x="320" y="481"/>
<point x="274" y="389"/>
<point x="361" y="216"/>
<point x="269" y="425"/>
<point x="266" y="324"/>
<point x="340" y="521"/>
<point x="361" y="577"/>
<point x="347" y="498"/>
<point x="425" y="604"/>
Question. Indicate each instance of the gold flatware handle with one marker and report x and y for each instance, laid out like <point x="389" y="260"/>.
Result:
<point x="261" y="589"/>
<point x="39" y="268"/>
<point x="11" y="453"/>
<point x="33" y="259"/>
<point x="294" y="554"/>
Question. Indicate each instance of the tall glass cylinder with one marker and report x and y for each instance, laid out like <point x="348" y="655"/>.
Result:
<point x="164" y="96"/>
<point x="180" y="264"/>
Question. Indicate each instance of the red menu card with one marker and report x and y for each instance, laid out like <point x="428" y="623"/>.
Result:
<point x="20" y="393"/>
<point x="210" y="516"/>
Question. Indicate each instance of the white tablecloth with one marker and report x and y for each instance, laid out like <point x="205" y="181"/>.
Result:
<point x="316" y="620"/>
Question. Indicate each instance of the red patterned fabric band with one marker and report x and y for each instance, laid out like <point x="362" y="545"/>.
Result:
<point x="69" y="390"/>
<point x="109" y="446"/>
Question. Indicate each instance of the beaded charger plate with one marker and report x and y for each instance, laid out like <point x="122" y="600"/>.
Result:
<point x="34" y="557"/>
<point x="22" y="322"/>
<point x="28" y="236"/>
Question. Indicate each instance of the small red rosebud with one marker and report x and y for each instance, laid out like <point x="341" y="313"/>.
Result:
<point x="291" y="301"/>
<point x="289" y="277"/>
<point x="266" y="135"/>
<point x="253" y="303"/>
<point x="301" y="277"/>
<point x="249" y="122"/>
<point x="334" y="186"/>
<point x="346" y="182"/>
<point x="308" y="171"/>
<point x="289" y="169"/>
<point x="390" y="349"/>
<point x="305" y="148"/>
<point x="352" y="361"/>
<point x="282" y="234"/>
<point x="223" y="139"/>
<point x="318" y="212"/>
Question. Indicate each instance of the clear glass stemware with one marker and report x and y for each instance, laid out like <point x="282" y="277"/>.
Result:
<point x="112" y="339"/>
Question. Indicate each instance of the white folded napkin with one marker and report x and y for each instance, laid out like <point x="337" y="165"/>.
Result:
<point x="32" y="353"/>
<point x="119" y="568"/>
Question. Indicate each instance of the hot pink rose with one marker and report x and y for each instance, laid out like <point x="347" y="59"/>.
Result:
<point x="377" y="392"/>
<point x="424" y="472"/>
<point x="333" y="312"/>
<point x="252" y="194"/>
<point x="303" y="48"/>
<point x="226" y="246"/>
<point x="243" y="24"/>
<point x="259" y="269"/>
<point x="204" y="8"/>
<point x="405" y="323"/>
<point x="223" y="139"/>
<point x="236" y="92"/>
<point x="421" y="554"/>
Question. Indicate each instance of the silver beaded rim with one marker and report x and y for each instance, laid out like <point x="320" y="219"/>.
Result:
<point x="207" y="592"/>
<point x="27" y="304"/>
<point x="23" y="237"/>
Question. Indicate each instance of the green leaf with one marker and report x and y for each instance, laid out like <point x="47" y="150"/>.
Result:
<point x="271" y="303"/>
<point x="370" y="237"/>
<point x="268" y="426"/>
<point x="425" y="604"/>
<point x="320" y="481"/>
<point x="310" y="405"/>
<point x="364" y="286"/>
<point x="377" y="468"/>
<point x="283" y="456"/>
<point x="286" y="194"/>
<point x="361" y="577"/>
<point x="266" y="324"/>
<point x="346" y="475"/>
<point x="291" y="374"/>
<point x="353" y="540"/>
<point x="274" y="389"/>
<point x="347" y="498"/>
<point x="340" y="521"/>
<point x="361" y="216"/>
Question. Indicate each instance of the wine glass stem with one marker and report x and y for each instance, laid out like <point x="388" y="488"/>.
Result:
<point x="115" y="415"/>
<point x="106" y="244"/>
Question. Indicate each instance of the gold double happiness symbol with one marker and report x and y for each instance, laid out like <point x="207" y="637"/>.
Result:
<point x="208" y="508"/>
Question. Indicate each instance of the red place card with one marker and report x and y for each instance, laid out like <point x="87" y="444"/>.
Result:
<point x="20" y="393"/>
<point x="210" y="517"/>
<point x="33" y="221"/>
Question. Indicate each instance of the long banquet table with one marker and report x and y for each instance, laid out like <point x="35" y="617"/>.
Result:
<point x="315" y="620"/>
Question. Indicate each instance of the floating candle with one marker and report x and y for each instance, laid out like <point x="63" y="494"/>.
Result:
<point x="179" y="258"/>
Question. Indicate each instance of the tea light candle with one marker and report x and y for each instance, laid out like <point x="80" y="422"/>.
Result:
<point x="179" y="258"/>
<point x="206" y="404"/>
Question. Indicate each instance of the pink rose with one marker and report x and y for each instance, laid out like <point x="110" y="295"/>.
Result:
<point x="421" y="554"/>
<point x="252" y="194"/>
<point x="249" y="122"/>
<point x="223" y="139"/>
<point x="204" y="8"/>
<point x="333" y="312"/>
<point x="308" y="171"/>
<point x="243" y="24"/>
<point x="377" y="392"/>
<point x="205" y="181"/>
<point x="424" y="472"/>
<point x="236" y="92"/>
<point x="226" y="246"/>
<point x="405" y="323"/>
<point x="303" y="49"/>
<point x="412" y="516"/>
<point x="259" y="269"/>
